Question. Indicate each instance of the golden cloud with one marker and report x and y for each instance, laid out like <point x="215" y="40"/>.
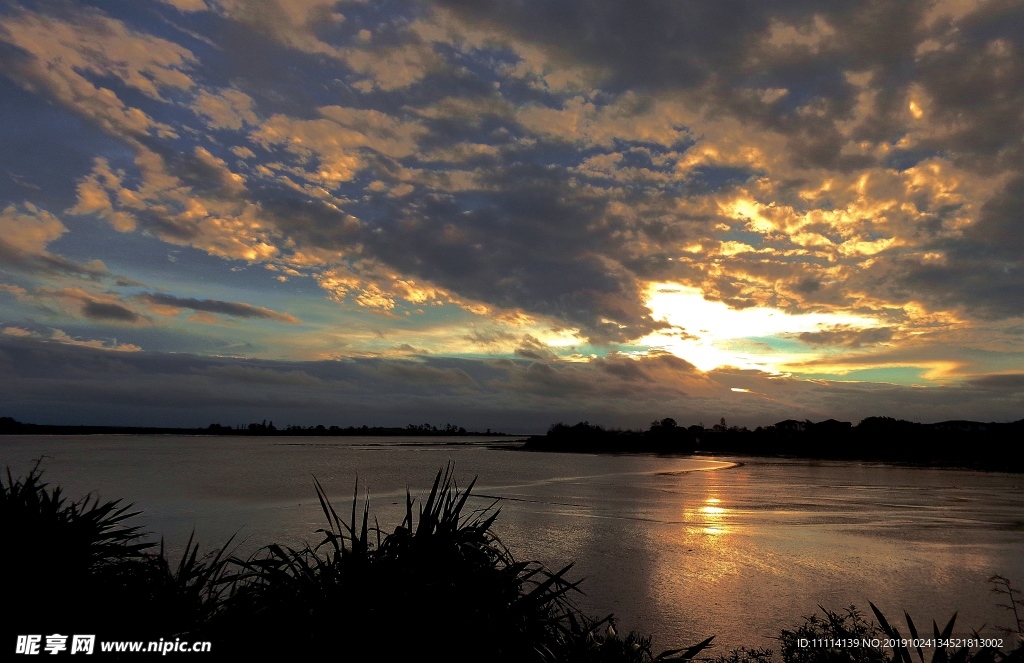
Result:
<point x="29" y="230"/>
<point x="61" y="52"/>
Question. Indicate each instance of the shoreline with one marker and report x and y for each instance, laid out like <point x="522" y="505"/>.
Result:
<point x="938" y="464"/>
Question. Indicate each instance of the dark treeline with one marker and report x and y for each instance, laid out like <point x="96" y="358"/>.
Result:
<point x="990" y="446"/>
<point x="10" y="426"/>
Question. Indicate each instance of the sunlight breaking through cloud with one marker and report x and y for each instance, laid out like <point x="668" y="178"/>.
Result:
<point x="705" y="333"/>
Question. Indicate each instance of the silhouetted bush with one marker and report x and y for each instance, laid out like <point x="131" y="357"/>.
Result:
<point x="76" y="566"/>
<point x="440" y="582"/>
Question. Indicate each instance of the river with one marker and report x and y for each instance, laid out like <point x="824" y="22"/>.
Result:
<point x="679" y="548"/>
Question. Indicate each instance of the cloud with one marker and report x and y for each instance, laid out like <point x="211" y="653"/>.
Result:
<point x="1011" y="382"/>
<point x="62" y="337"/>
<point x="100" y="307"/>
<point x="16" y="331"/>
<point x="339" y="139"/>
<point x="463" y="164"/>
<point x="290" y="22"/>
<point x="398" y="60"/>
<point x="98" y="44"/>
<point x="112" y="344"/>
<point x="24" y="236"/>
<point x="107" y="311"/>
<point x="853" y="338"/>
<point x="187" y="5"/>
<point x="95" y="386"/>
<point x="390" y="68"/>
<point x="31" y="230"/>
<point x="412" y="374"/>
<point x="794" y="69"/>
<point x="984" y="269"/>
<point x="169" y="303"/>
<point x="249" y="374"/>
<point x="183" y="198"/>
<point x="94" y="197"/>
<point x="971" y="76"/>
<point x="60" y="55"/>
<point x="226" y="109"/>
<point x="531" y="241"/>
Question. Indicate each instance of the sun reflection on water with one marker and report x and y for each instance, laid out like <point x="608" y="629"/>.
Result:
<point x="709" y="518"/>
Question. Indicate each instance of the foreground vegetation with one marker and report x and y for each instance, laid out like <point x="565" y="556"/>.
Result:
<point x="440" y="583"/>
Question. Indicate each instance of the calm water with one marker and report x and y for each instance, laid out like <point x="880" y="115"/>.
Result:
<point x="680" y="548"/>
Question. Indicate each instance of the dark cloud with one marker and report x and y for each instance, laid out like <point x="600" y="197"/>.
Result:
<point x="106" y="311"/>
<point x="49" y="382"/>
<point x="415" y="374"/>
<point x="640" y="44"/>
<point x="311" y="222"/>
<point x="808" y="285"/>
<point x="1011" y="382"/>
<point x="256" y="58"/>
<point x="233" y="309"/>
<point x="14" y="259"/>
<point x="976" y="83"/>
<point x="984" y="270"/>
<point x="852" y="338"/>
<point x="528" y="239"/>
<point x="531" y="348"/>
<point x="200" y="170"/>
<point x="254" y="374"/>
<point x="729" y="49"/>
<point x="627" y="370"/>
<point x="490" y="336"/>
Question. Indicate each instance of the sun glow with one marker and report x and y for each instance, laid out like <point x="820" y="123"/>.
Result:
<point x="711" y="334"/>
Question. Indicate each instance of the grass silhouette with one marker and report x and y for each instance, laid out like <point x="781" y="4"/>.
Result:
<point x="439" y="582"/>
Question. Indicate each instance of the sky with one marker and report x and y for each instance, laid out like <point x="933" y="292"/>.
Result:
<point x="507" y="214"/>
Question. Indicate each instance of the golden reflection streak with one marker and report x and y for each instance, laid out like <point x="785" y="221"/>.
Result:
<point x="709" y="518"/>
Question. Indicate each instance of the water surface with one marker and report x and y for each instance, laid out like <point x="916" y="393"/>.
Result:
<point x="680" y="548"/>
